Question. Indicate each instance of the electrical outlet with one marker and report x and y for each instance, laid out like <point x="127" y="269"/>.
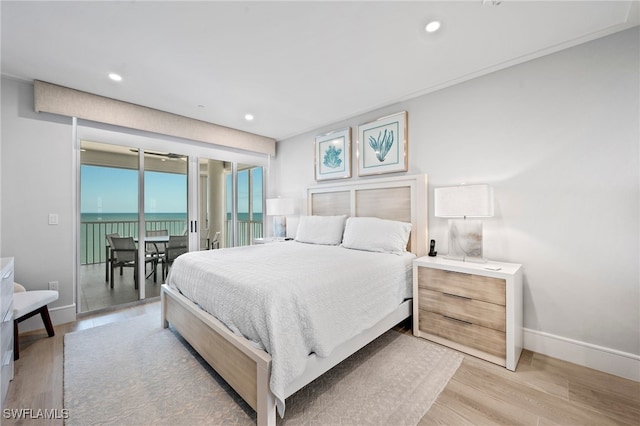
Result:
<point x="53" y="285"/>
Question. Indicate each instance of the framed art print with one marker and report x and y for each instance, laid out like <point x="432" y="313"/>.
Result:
<point x="333" y="155"/>
<point x="382" y="145"/>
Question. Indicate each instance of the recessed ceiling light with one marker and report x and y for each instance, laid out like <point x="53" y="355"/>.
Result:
<point x="248" y="117"/>
<point x="115" y="77"/>
<point x="432" y="27"/>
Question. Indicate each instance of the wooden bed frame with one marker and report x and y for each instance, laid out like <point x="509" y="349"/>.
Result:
<point x="247" y="369"/>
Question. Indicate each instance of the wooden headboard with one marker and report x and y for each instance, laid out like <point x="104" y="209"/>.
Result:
<point x="402" y="198"/>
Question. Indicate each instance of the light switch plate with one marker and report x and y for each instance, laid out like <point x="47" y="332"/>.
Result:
<point x="53" y="218"/>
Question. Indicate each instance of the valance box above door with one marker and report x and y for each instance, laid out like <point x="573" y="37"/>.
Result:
<point x="75" y="103"/>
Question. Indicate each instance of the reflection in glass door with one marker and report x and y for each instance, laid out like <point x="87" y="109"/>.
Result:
<point x="249" y="199"/>
<point x="212" y="232"/>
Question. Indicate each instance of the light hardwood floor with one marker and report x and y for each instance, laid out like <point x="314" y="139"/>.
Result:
<point x="542" y="391"/>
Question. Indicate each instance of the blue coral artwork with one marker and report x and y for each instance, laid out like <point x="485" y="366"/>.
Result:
<point x="332" y="158"/>
<point x="333" y="155"/>
<point x="382" y="145"/>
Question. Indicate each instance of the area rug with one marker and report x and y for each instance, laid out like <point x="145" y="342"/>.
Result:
<point x="134" y="372"/>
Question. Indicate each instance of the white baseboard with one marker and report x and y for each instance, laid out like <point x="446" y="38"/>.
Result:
<point x="59" y="315"/>
<point x="622" y="364"/>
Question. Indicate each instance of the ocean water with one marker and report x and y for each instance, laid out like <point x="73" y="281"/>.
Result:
<point x="130" y="217"/>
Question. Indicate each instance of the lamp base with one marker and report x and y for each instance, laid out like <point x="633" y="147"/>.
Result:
<point x="280" y="226"/>
<point x="465" y="240"/>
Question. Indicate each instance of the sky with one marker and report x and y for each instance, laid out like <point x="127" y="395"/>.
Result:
<point x="114" y="190"/>
<point x="243" y="191"/>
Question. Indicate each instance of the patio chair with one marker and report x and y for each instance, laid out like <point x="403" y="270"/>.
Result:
<point x="153" y="248"/>
<point x="125" y="254"/>
<point x="107" y="251"/>
<point x="215" y="242"/>
<point x="178" y="244"/>
<point x="204" y="239"/>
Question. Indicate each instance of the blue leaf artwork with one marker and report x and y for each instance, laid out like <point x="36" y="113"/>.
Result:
<point x="332" y="157"/>
<point x="382" y="145"/>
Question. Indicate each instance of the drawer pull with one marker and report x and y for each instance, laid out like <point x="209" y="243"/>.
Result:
<point x="458" y="320"/>
<point x="456" y="272"/>
<point x="457" y="295"/>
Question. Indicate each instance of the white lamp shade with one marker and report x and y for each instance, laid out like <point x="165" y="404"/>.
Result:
<point x="464" y="201"/>
<point x="280" y="206"/>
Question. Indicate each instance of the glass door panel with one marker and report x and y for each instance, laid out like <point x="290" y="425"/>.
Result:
<point x="255" y="201"/>
<point x="134" y="191"/>
<point x="248" y="195"/>
<point x="165" y="214"/>
<point x="211" y="213"/>
<point x="108" y="206"/>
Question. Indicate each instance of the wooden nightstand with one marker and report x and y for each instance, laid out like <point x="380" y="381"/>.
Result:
<point x="469" y="307"/>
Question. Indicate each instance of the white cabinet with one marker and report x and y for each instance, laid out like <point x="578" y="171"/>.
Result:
<point x="6" y="327"/>
<point x="472" y="307"/>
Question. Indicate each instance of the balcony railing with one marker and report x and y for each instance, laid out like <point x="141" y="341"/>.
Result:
<point x="93" y="234"/>
<point x="247" y="231"/>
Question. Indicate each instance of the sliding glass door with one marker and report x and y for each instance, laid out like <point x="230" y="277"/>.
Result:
<point x="110" y="224"/>
<point x="164" y="198"/>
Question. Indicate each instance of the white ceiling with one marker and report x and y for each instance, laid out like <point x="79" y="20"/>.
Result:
<point x="296" y="66"/>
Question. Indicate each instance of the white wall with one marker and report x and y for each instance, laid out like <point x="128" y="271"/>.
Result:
<point x="558" y="138"/>
<point x="37" y="173"/>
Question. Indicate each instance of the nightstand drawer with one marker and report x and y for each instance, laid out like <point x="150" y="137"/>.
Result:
<point x="471" y="286"/>
<point x="462" y="308"/>
<point x="468" y="334"/>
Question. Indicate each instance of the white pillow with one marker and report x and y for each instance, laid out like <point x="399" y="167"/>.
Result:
<point x="373" y="234"/>
<point x="321" y="229"/>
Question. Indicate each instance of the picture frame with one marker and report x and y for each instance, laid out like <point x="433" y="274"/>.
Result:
<point x="333" y="155"/>
<point x="382" y="145"/>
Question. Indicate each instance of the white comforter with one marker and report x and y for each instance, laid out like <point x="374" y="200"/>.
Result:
<point x="294" y="299"/>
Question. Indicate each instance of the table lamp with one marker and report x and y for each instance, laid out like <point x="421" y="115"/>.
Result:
<point x="279" y="208"/>
<point x="463" y="201"/>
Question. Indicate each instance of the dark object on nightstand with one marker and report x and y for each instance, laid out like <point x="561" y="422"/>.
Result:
<point x="432" y="252"/>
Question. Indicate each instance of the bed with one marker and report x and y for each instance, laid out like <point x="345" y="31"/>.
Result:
<point x="237" y="351"/>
